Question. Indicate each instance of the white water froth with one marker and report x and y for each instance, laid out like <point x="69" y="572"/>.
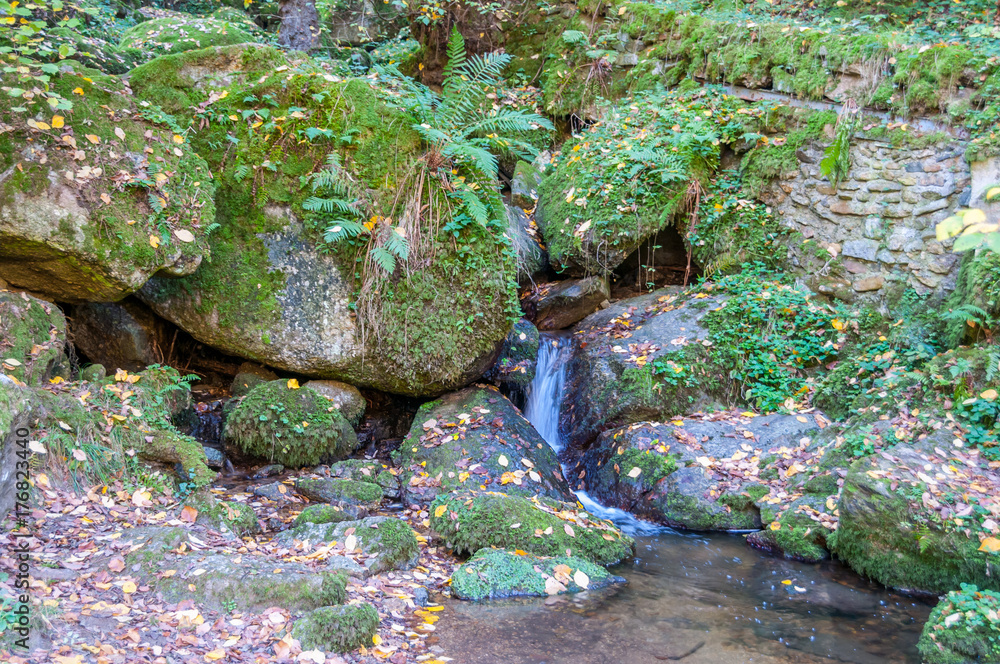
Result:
<point x="542" y="409"/>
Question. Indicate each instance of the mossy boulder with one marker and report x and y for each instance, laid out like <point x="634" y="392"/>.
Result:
<point x="689" y="473"/>
<point x="295" y="427"/>
<point x="175" y="34"/>
<point x="321" y="514"/>
<point x="275" y="291"/>
<point x="891" y="527"/>
<point x="340" y="492"/>
<point x="249" y="376"/>
<point x="611" y="388"/>
<point x="225" y="516"/>
<point x="469" y="521"/>
<point x="16" y="409"/>
<point x="386" y="543"/>
<point x="794" y="534"/>
<point x="221" y="582"/>
<point x="32" y="338"/>
<point x="346" y="398"/>
<point x="90" y="210"/>
<point x="337" y="628"/>
<point x="518" y="357"/>
<point x="95" y="52"/>
<point x="498" y="573"/>
<point x="963" y="628"/>
<point x="476" y="438"/>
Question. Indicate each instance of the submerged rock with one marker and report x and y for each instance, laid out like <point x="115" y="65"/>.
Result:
<point x="32" y="338"/>
<point x="891" y="528"/>
<point x="559" y="304"/>
<point x="96" y="236"/>
<point x="337" y="628"/>
<point x="295" y="427"/>
<point x="470" y="521"/>
<point x="963" y="628"/>
<point x="498" y="573"/>
<point x="701" y="475"/>
<point x="386" y="543"/>
<point x="472" y="438"/>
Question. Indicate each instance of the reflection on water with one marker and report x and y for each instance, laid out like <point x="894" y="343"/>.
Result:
<point x="712" y="595"/>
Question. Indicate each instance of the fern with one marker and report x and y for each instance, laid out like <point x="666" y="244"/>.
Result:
<point x="836" y="162"/>
<point x="241" y="173"/>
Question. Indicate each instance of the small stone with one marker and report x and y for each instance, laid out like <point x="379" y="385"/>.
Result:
<point x="933" y="206"/>
<point x="884" y="185"/>
<point x="906" y="180"/>
<point x="863" y="249"/>
<point x="914" y="168"/>
<point x="854" y="267"/>
<point x="866" y="284"/>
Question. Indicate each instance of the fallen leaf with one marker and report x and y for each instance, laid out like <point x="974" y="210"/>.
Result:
<point x="189" y="514"/>
<point x="581" y="579"/>
<point x="293" y="384"/>
<point x="184" y="235"/>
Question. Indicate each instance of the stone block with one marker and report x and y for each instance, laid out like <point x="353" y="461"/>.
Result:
<point x="884" y="185"/>
<point x="899" y="211"/>
<point x="911" y="196"/>
<point x="906" y="180"/>
<point x="855" y="267"/>
<point x="900" y="237"/>
<point x="866" y="176"/>
<point x="932" y="206"/>
<point x="870" y="283"/>
<point x="885" y="256"/>
<point x="913" y="167"/>
<point x="852" y="208"/>
<point x="874" y="228"/>
<point x="863" y="249"/>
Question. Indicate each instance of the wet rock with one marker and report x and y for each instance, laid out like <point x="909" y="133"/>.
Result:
<point x="346" y="398"/>
<point x="275" y="491"/>
<point x="559" y="304"/>
<point x="498" y="573"/>
<point x="93" y="373"/>
<point x="32" y="338"/>
<point x="516" y="364"/>
<point x="470" y="521"/>
<point x="524" y="185"/>
<point x="385" y="543"/>
<point x="891" y="528"/>
<point x="338" y="628"/>
<point x="221" y="582"/>
<point x="476" y="437"/>
<point x="269" y="470"/>
<point x="795" y="535"/>
<point x="420" y="596"/>
<point x="120" y="335"/>
<point x="249" y="376"/>
<point x="610" y="390"/>
<point x="341" y="492"/>
<point x="293" y="427"/>
<point x="664" y="472"/>
<point x="364" y="470"/>
<point x="214" y="457"/>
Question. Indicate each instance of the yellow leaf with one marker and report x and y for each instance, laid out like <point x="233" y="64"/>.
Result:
<point x="989" y="395"/>
<point x="990" y="545"/>
<point x="184" y="235"/>
<point x="440" y="510"/>
<point x="58" y="121"/>
<point x="786" y="582"/>
<point x="42" y="125"/>
<point x="93" y="139"/>
<point x="293" y="384"/>
<point x="569" y="530"/>
<point x="120" y="133"/>
<point x="973" y="217"/>
<point x="215" y="655"/>
<point x="128" y="588"/>
<point x="154" y="241"/>
<point x="78" y="91"/>
<point x="376" y="639"/>
<point x="622" y="10"/>
<point x="106" y="199"/>
<point x="837" y="324"/>
<point x="776" y="526"/>
<point x="178" y="139"/>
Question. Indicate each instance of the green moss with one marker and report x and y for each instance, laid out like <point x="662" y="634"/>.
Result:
<point x="653" y="467"/>
<point x="468" y="522"/>
<point x="238" y="518"/>
<point x="172" y="446"/>
<point x="293" y="427"/>
<point x="337" y="628"/>
<point x="322" y="514"/>
<point x="963" y="628"/>
<point x="175" y="34"/>
<point x="497" y="573"/>
<point x="32" y="337"/>
<point x="387" y="543"/>
<point x="351" y="492"/>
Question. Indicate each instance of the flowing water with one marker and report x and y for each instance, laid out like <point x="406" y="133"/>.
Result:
<point x="694" y="598"/>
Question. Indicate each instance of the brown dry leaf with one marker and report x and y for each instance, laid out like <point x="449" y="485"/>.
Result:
<point x="569" y="530"/>
<point x="116" y="564"/>
<point x="189" y="514"/>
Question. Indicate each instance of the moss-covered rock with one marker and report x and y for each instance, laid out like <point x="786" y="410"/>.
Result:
<point x="175" y="34"/>
<point x="363" y="470"/>
<point x="469" y="521"/>
<point x="337" y="628"/>
<point x="498" y="573"/>
<point x="386" y="543"/>
<point x="222" y="583"/>
<point x="32" y="338"/>
<point x="476" y="438"/>
<point x="99" y="199"/>
<point x="295" y="427"/>
<point x="95" y="52"/>
<point x="249" y="376"/>
<point x="794" y="534"/>
<point x="963" y="628"/>
<point x="341" y="492"/>
<point x="613" y="388"/>
<point x="891" y="528"/>
<point x="518" y="356"/>
<point x="274" y="291"/>
<point x="346" y="398"/>
<point x="225" y="516"/>
<point x="16" y="410"/>
<point x="321" y="514"/>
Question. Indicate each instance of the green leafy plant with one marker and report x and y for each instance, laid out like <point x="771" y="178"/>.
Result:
<point x="836" y="162"/>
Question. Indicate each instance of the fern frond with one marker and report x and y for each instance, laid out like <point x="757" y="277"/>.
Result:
<point x="384" y="259"/>
<point x="343" y="229"/>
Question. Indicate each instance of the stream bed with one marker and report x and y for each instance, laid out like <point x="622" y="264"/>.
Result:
<point x="710" y="594"/>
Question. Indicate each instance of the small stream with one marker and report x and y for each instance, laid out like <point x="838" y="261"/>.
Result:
<point x="694" y="598"/>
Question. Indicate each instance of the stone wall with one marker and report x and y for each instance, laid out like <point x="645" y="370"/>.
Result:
<point x="880" y="222"/>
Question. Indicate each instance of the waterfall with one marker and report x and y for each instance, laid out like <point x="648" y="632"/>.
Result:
<point x="544" y="400"/>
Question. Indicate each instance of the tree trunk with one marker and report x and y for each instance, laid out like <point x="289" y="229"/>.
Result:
<point x="299" y="25"/>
